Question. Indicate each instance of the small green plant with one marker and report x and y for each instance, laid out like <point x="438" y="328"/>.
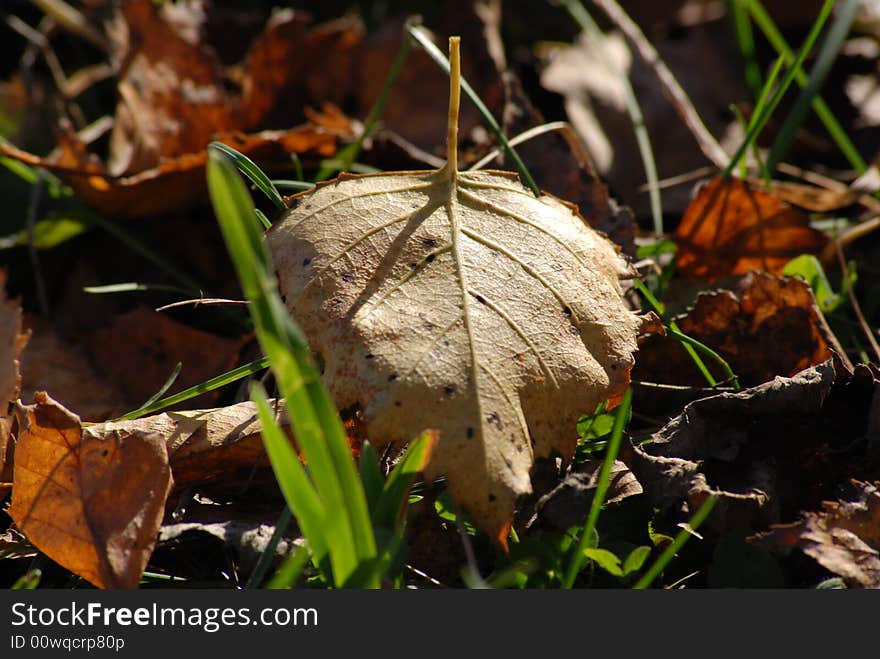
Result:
<point x="354" y="532"/>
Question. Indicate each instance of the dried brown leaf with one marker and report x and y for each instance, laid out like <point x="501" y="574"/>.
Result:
<point x="92" y="504"/>
<point x="568" y="504"/>
<point x="763" y="326"/>
<point x="810" y="197"/>
<point x="139" y="350"/>
<point x="844" y="538"/>
<point x="732" y="227"/>
<point x="767" y="452"/>
<point x="51" y="363"/>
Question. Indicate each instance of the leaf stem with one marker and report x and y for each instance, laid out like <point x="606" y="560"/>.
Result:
<point x="451" y="168"/>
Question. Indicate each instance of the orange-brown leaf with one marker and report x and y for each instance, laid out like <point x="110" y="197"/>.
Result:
<point x="93" y="504"/>
<point x="732" y="227"/>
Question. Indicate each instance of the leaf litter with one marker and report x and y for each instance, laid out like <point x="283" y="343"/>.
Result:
<point x="769" y="474"/>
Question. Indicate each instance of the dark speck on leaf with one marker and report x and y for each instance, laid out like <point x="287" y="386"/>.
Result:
<point x="397" y="403"/>
<point x="449" y="389"/>
<point x="105" y="453"/>
<point x="369" y="355"/>
<point x="307" y="262"/>
<point x="480" y="299"/>
<point x="566" y="311"/>
<point x="347" y="277"/>
<point x="429" y="242"/>
<point x="470" y="433"/>
<point x="392" y="377"/>
<point x="491" y="497"/>
<point x="430" y="258"/>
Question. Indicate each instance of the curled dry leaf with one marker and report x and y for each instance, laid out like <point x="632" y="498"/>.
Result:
<point x="12" y="342"/>
<point x="731" y="445"/>
<point x="767" y="452"/>
<point x="568" y="504"/>
<point x="843" y="538"/>
<point x="203" y="445"/>
<point x="732" y="227"/>
<point x="763" y="326"/>
<point x="92" y="504"/>
<point x="459" y="302"/>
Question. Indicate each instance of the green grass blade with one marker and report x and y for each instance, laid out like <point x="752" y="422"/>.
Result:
<point x="30" y="580"/>
<point x="392" y="501"/>
<point x="689" y="344"/>
<point x="291" y="570"/>
<point x="268" y="554"/>
<point x="774" y="36"/>
<point x="371" y="475"/>
<point x="250" y="169"/>
<point x="827" y="55"/>
<point x="418" y="33"/>
<point x="300" y="494"/>
<point x="166" y="386"/>
<point x="790" y="76"/>
<point x="208" y="385"/>
<point x="745" y="41"/>
<point x="315" y="421"/>
<point x="578" y="557"/>
<point x="297" y="186"/>
<point x="675" y="546"/>
<point x="702" y="347"/>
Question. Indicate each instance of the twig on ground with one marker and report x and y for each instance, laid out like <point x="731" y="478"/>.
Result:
<point x="707" y="143"/>
<point x="866" y="329"/>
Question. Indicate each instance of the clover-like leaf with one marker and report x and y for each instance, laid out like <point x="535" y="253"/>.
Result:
<point x="459" y="302"/>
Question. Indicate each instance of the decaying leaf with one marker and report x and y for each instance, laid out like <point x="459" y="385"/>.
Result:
<point x="732" y="227"/>
<point x="569" y="502"/>
<point x="767" y="452"/>
<point x="203" y="445"/>
<point x="247" y="539"/>
<point x="140" y="348"/>
<point x="52" y="363"/>
<point x="173" y="100"/>
<point x="459" y="302"/>
<point x="12" y="342"/>
<point x="93" y="505"/>
<point x="725" y="445"/>
<point x="763" y="326"/>
<point x="844" y="537"/>
<point x="810" y="197"/>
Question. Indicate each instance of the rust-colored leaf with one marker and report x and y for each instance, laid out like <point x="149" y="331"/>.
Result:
<point x="732" y="227"/>
<point x="844" y="537"/>
<point x="140" y="348"/>
<point x="52" y="363"/>
<point x="764" y="326"/>
<point x="92" y="504"/>
<point x="173" y="100"/>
